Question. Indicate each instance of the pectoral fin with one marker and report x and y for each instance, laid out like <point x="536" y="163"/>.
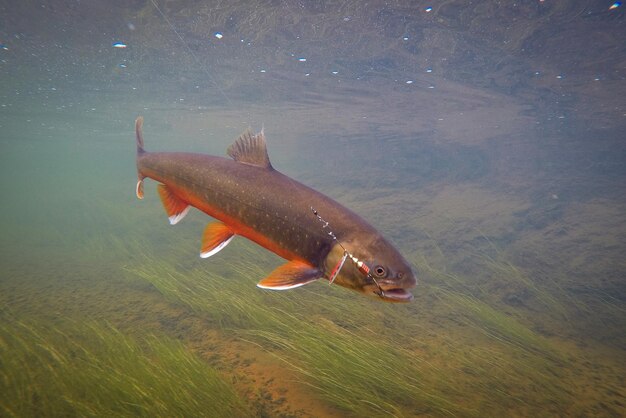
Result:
<point x="290" y="275"/>
<point x="216" y="236"/>
<point x="175" y="207"/>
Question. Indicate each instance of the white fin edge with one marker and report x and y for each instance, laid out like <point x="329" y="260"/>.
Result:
<point x="286" y="287"/>
<point x="216" y="249"/>
<point x="174" y="219"/>
<point x="139" y="189"/>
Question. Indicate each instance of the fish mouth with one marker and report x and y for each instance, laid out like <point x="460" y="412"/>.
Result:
<point x="396" y="295"/>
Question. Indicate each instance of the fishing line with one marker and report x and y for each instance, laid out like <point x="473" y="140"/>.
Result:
<point x="361" y="266"/>
<point x="182" y="40"/>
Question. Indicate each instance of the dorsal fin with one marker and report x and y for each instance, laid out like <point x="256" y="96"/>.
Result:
<point x="250" y="149"/>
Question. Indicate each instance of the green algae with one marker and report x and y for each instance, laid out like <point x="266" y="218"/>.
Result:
<point x="68" y="368"/>
<point x="354" y="372"/>
<point x="384" y="361"/>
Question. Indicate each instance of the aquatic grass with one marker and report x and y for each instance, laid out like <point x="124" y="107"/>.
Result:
<point x="357" y="373"/>
<point x="496" y="324"/>
<point x="363" y="375"/>
<point x="454" y="292"/>
<point x="504" y="324"/>
<point x="501" y="287"/>
<point x="368" y="358"/>
<point x="88" y="369"/>
<point x="507" y="273"/>
<point x="537" y="296"/>
<point x="361" y="356"/>
<point x="453" y="352"/>
<point x="472" y="355"/>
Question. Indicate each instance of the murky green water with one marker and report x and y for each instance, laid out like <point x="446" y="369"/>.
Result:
<point x="485" y="140"/>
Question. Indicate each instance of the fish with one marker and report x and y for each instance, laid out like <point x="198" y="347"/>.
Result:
<point x="246" y="196"/>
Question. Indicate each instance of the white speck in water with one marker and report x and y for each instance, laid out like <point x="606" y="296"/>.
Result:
<point x="218" y="35"/>
<point x="302" y="59"/>
<point x="406" y="38"/>
<point x="428" y="9"/>
<point x="335" y="72"/>
<point x="409" y="82"/>
<point x="429" y="70"/>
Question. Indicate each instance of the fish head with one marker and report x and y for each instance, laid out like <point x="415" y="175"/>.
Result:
<point x="373" y="267"/>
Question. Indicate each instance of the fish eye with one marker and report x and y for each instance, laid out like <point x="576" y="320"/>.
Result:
<point x="380" y="271"/>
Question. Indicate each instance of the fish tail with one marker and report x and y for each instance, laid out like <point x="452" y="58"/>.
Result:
<point x="139" y="134"/>
<point x="140" y="151"/>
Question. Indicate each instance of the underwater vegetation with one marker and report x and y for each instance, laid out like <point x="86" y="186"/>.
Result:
<point x="117" y="315"/>
<point x="472" y="360"/>
<point x="127" y="324"/>
<point x="68" y="368"/>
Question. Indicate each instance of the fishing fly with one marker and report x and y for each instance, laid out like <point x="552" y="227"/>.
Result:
<point x="361" y="266"/>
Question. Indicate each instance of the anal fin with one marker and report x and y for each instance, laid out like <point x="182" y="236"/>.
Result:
<point x="175" y="207"/>
<point x="216" y="236"/>
<point x="290" y="275"/>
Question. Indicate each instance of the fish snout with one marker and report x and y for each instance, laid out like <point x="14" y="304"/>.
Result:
<point x="402" y="279"/>
<point x="396" y="289"/>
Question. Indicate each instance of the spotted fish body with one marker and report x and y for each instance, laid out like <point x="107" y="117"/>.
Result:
<point x="248" y="197"/>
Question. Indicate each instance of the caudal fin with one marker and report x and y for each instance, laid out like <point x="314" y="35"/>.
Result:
<point x="140" y="150"/>
<point x="139" y="134"/>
